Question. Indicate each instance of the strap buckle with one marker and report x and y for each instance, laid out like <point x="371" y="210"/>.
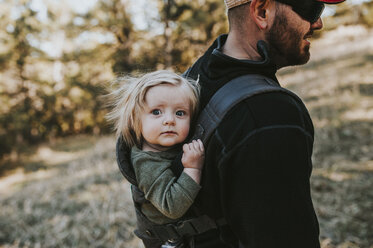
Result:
<point x="185" y="228"/>
<point x="177" y="231"/>
<point x="174" y="232"/>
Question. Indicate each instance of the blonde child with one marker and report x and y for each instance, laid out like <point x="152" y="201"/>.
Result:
<point x="152" y="114"/>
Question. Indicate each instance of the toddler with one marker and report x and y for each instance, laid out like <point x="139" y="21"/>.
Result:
<point x="153" y="114"/>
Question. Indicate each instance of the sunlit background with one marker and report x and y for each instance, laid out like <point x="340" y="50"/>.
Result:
<point x="59" y="182"/>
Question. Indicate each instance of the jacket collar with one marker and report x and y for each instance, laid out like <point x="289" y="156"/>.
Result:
<point x="262" y="47"/>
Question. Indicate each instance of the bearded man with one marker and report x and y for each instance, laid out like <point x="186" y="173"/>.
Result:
<point x="258" y="161"/>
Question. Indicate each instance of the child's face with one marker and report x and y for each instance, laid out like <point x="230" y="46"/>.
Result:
<point x="166" y="117"/>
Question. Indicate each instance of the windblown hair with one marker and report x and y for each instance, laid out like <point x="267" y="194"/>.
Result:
<point x="128" y="101"/>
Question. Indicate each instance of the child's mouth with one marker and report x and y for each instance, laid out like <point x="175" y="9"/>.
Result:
<point x="169" y="132"/>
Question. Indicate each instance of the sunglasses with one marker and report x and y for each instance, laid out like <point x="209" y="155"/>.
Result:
<point x="309" y="10"/>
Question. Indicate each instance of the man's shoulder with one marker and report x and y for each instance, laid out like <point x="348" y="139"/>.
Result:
<point x="271" y="106"/>
<point x="267" y="110"/>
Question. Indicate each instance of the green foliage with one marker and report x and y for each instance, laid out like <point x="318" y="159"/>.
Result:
<point x="55" y="91"/>
<point x="188" y="28"/>
<point x="17" y="113"/>
<point x="42" y="96"/>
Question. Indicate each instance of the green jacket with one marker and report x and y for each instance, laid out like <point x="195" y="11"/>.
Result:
<point x="169" y="197"/>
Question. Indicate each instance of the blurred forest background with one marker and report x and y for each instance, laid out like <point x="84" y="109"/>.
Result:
<point x="59" y="184"/>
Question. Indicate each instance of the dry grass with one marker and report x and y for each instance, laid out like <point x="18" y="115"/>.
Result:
<point x="76" y="198"/>
<point x="71" y="193"/>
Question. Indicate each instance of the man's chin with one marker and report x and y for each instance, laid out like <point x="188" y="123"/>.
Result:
<point x="299" y="60"/>
<point x="306" y="55"/>
<point x="305" y="58"/>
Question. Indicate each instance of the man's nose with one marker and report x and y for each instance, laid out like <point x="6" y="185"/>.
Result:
<point x="317" y="24"/>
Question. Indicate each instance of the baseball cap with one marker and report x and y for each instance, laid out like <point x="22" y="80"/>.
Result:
<point x="309" y="10"/>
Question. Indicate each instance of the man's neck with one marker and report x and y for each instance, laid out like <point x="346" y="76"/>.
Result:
<point x="238" y="47"/>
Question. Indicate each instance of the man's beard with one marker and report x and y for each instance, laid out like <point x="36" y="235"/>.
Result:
<point x="285" y="43"/>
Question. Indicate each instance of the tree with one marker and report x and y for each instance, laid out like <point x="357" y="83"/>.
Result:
<point x="188" y="28"/>
<point x="52" y="74"/>
<point x="17" y="94"/>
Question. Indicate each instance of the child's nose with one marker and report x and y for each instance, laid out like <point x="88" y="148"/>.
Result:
<point x="169" y="119"/>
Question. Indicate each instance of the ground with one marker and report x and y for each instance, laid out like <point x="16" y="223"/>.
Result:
<point x="70" y="193"/>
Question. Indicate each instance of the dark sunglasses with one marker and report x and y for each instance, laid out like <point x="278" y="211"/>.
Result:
<point x="309" y="10"/>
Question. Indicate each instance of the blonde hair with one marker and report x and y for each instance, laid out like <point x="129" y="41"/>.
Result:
<point x="128" y="101"/>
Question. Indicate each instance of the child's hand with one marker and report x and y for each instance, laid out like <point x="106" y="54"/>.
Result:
<point x="194" y="155"/>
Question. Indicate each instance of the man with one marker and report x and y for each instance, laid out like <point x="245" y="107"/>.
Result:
<point x="258" y="162"/>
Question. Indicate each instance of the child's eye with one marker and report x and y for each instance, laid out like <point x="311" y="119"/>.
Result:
<point x="180" y="113"/>
<point x="156" y="112"/>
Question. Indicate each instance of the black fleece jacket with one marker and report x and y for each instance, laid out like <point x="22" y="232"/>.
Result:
<point x="258" y="162"/>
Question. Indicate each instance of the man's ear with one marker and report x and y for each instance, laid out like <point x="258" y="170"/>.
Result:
<point x="261" y="11"/>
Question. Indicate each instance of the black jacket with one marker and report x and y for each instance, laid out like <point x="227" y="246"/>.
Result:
<point x="258" y="162"/>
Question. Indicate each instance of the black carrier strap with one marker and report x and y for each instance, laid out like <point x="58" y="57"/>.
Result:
<point x="228" y="96"/>
<point x="122" y="154"/>
<point x="220" y="104"/>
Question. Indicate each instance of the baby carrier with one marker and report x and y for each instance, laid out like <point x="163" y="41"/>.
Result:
<point x="178" y="234"/>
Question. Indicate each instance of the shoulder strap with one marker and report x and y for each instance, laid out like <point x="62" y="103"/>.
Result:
<point x="125" y="167"/>
<point x="228" y="96"/>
